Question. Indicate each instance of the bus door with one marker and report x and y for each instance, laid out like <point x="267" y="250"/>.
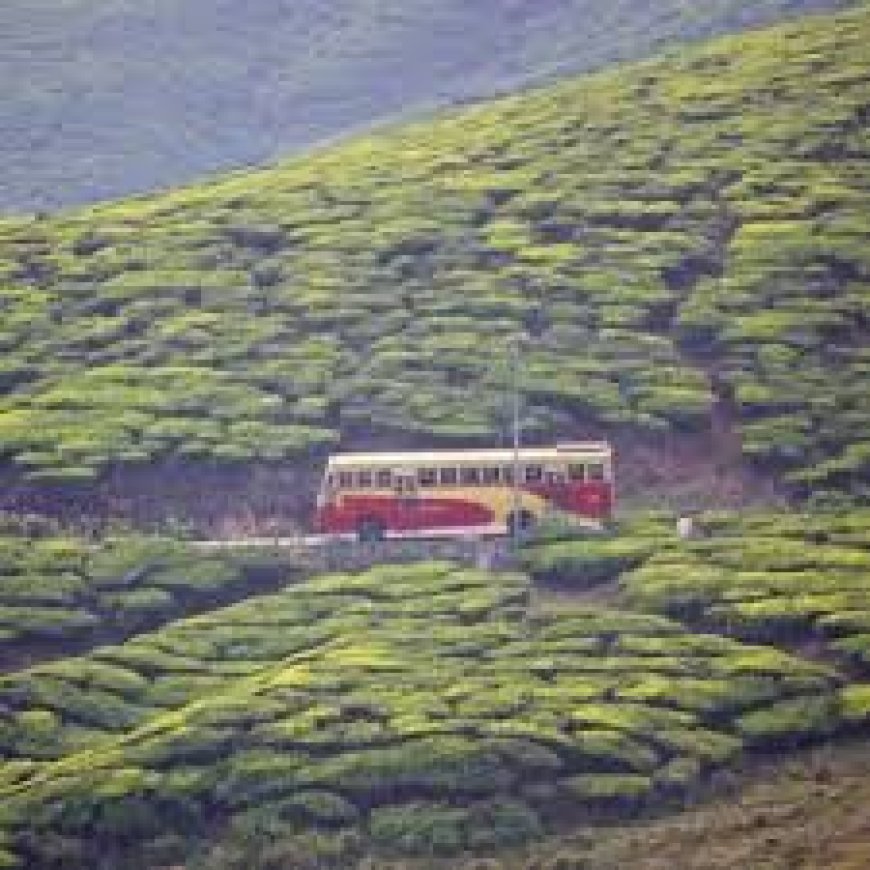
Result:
<point x="326" y="494"/>
<point x="556" y="483"/>
<point x="407" y="498"/>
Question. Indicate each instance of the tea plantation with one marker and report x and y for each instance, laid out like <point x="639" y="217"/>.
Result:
<point x="418" y="709"/>
<point x="775" y="580"/>
<point x="61" y="594"/>
<point x="792" y="579"/>
<point x="680" y="235"/>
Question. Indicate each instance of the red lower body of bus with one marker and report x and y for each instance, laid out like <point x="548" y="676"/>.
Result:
<point x="356" y="513"/>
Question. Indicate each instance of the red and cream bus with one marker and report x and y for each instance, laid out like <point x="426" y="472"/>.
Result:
<point x="372" y="495"/>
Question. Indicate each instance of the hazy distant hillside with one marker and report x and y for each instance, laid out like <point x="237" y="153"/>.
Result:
<point x="690" y="234"/>
<point x="106" y="98"/>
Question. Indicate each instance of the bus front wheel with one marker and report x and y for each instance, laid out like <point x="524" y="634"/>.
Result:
<point x="369" y="530"/>
<point x="520" y="522"/>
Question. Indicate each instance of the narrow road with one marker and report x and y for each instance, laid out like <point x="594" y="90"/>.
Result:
<point x="466" y="536"/>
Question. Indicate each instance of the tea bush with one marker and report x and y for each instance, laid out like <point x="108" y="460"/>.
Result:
<point x="55" y="591"/>
<point x="769" y="578"/>
<point x="586" y="562"/>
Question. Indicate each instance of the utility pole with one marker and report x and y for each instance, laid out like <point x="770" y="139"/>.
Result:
<point x="515" y="390"/>
<point x="534" y="325"/>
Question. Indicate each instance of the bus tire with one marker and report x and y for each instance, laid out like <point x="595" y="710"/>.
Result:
<point x="520" y="522"/>
<point x="370" y="530"/>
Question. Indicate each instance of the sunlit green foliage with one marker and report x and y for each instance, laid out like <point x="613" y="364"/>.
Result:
<point x="587" y="561"/>
<point x="792" y="578"/>
<point x="57" y="591"/>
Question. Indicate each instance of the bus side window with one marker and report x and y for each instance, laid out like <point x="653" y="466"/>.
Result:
<point x="491" y="475"/>
<point x="595" y="471"/>
<point x="384" y="479"/>
<point x="427" y="476"/>
<point x="345" y="480"/>
<point x="577" y="473"/>
<point x="449" y="476"/>
<point x="534" y="474"/>
<point x="469" y="476"/>
<point x="555" y="476"/>
<point x="364" y="480"/>
<point x="405" y="484"/>
<point x="507" y="474"/>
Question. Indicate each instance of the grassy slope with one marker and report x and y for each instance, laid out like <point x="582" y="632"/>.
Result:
<point x="428" y="709"/>
<point x="806" y="815"/>
<point x="691" y="232"/>
<point x="117" y="96"/>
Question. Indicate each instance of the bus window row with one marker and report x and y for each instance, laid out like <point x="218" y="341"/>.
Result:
<point x="490" y="475"/>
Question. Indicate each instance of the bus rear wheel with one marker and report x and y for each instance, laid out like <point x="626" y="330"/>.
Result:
<point x="369" y="530"/>
<point x="520" y="522"/>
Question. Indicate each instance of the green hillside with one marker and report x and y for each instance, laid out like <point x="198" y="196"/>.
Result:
<point x="62" y="594"/>
<point x="106" y="98"/>
<point x="686" y="238"/>
<point x="432" y="710"/>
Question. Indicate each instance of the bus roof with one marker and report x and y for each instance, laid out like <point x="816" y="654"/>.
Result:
<point x="592" y="450"/>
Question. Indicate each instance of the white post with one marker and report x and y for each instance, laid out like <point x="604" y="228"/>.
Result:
<point x="685" y="528"/>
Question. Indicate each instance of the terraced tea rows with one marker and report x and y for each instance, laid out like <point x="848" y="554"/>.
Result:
<point x="797" y="581"/>
<point x="682" y="230"/>
<point x="423" y="708"/>
<point x="61" y="594"/>
<point x="793" y="580"/>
